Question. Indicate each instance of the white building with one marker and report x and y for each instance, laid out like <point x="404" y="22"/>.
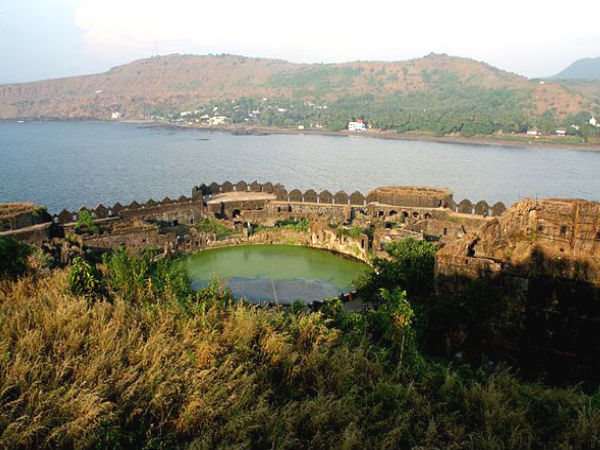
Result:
<point x="561" y="132"/>
<point x="594" y="122"/>
<point x="356" y="126"/>
<point x="116" y="115"/>
<point x="533" y="132"/>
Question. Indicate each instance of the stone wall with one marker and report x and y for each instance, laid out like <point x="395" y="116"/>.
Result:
<point x="35" y="234"/>
<point x="183" y="209"/>
<point x="541" y="261"/>
<point x="410" y="196"/>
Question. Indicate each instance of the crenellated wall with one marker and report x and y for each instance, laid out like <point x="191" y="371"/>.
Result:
<point x="410" y="196"/>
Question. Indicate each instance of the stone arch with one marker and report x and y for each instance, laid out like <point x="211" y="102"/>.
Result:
<point x="281" y="194"/>
<point x="340" y="198"/>
<point x="465" y="207"/>
<point x="392" y="213"/>
<point x="482" y="208"/>
<point x="214" y="188"/>
<point x="498" y="209"/>
<point x="356" y="198"/>
<point x="227" y="186"/>
<point x="380" y="213"/>
<point x="325" y="197"/>
<point x="101" y="211"/>
<point x="236" y="213"/>
<point x="427" y="216"/>
<point x="267" y="187"/>
<point x="295" y="195"/>
<point x="405" y="214"/>
<point x="310" y="196"/>
<point x="255" y="186"/>
<point x="416" y="215"/>
<point x="241" y="186"/>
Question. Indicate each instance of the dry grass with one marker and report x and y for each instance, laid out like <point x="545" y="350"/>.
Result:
<point x="153" y="375"/>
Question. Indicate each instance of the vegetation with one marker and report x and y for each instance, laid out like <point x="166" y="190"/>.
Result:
<point x="301" y="225"/>
<point x="410" y="266"/>
<point x="207" y="225"/>
<point x="351" y="232"/>
<point x="13" y="257"/>
<point x="85" y="222"/>
<point x="152" y="364"/>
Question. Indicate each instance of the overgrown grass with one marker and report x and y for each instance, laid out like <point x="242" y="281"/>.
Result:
<point x="207" y="225"/>
<point x="169" y="368"/>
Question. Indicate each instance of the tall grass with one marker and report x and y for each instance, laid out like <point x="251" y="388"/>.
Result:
<point x="214" y="373"/>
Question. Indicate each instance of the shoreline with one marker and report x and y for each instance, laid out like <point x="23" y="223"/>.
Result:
<point x="259" y="130"/>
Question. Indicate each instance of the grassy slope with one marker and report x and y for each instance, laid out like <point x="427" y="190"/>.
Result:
<point x="122" y="375"/>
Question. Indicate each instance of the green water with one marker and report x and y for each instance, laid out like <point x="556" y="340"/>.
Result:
<point x="275" y="273"/>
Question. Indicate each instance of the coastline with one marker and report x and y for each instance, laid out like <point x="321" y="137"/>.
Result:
<point x="513" y="141"/>
<point x="259" y="130"/>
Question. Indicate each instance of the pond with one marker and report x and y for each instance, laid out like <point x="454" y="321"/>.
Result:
<point x="275" y="273"/>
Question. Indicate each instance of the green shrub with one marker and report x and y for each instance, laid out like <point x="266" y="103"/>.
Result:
<point x="410" y="267"/>
<point x="84" y="278"/>
<point x="85" y="222"/>
<point x="13" y="257"/>
<point x="301" y="225"/>
<point x="138" y="278"/>
<point x="207" y="225"/>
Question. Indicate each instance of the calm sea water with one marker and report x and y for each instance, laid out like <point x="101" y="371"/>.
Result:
<point x="275" y="273"/>
<point x="72" y="164"/>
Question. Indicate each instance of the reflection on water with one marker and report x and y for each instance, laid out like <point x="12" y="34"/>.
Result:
<point x="275" y="273"/>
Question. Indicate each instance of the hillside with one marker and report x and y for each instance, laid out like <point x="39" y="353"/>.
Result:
<point x="582" y="69"/>
<point x="438" y="92"/>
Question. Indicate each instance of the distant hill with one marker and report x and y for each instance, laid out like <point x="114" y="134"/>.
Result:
<point x="582" y="69"/>
<point x="440" y="93"/>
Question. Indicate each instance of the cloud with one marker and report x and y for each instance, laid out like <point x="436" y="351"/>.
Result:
<point x="515" y="34"/>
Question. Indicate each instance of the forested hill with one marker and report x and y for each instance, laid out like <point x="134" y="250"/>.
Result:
<point x="436" y="93"/>
<point x="582" y="69"/>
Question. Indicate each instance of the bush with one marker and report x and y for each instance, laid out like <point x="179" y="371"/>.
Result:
<point x="85" y="222"/>
<point x="144" y="278"/>
<point x="410" y="267"/>
<point x="13" y="257"/>
<point x="301" y="225"/>
<point x="84" y="278"/>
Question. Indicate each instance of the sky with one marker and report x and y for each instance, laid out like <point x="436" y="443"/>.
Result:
<point x="41" y="39"/>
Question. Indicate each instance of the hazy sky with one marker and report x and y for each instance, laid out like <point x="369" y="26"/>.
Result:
<point x="52" y="38"/>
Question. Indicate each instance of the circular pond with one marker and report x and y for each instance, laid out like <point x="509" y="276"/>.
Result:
<point x="275" y="273"/>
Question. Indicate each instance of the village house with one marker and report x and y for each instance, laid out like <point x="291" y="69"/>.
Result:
<point x="356" y="126"/>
